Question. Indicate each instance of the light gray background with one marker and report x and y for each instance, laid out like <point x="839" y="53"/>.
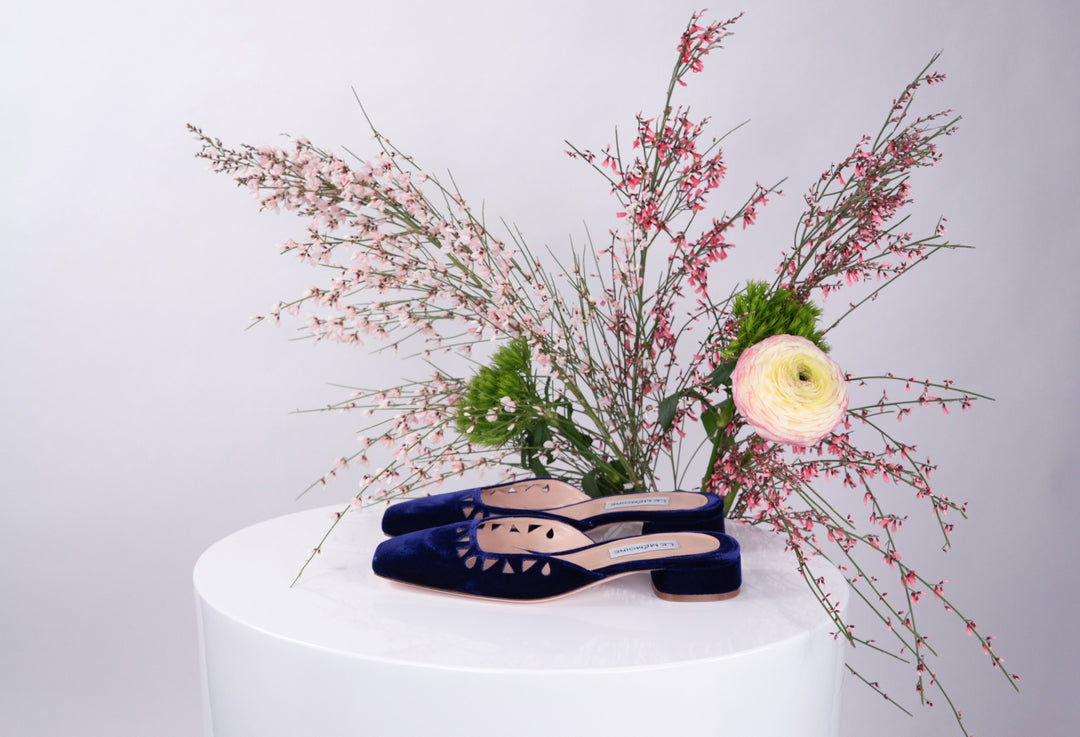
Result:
<point x="140" y="422"/>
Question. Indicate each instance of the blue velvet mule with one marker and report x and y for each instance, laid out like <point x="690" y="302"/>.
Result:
<point x="537" y="558"/>
<point x="558" y="500"/>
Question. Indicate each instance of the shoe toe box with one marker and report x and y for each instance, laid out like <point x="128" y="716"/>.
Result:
<point x="426" y="512"/>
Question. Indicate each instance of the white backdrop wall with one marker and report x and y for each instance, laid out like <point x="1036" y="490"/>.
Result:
<point x="140" y="422"/>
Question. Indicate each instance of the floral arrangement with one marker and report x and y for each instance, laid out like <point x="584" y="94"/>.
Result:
<point x="620" y="365"/>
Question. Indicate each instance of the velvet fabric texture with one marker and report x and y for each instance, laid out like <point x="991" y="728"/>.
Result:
<point x="456" y="506"/>
<point x="450" y="558"/>
<point x="431" y="511"/>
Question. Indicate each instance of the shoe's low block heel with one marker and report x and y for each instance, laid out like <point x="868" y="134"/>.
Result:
<point x="698" y="584"/>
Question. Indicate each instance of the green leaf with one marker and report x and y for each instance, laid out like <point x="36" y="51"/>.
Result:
<point x="727" y="412"/>
<point x="665" y="413"/>
<point x="721" y="375"/>
<point x="538" y="434"/>
<point x="589" y="485"/>
<point x="581" y="441"/>
<point x="538" y="468"/>
<point x="710" y="420"/>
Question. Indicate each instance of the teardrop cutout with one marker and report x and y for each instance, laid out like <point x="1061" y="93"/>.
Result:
<point x="546" y="570"/>
<point x="470" y="561"/>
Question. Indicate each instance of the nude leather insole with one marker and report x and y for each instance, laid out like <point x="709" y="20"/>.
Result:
<point x="532" y="535"/>
<point x="549" y="495"/>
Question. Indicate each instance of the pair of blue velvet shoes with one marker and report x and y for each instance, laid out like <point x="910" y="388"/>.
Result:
<point x="526" y="541"/>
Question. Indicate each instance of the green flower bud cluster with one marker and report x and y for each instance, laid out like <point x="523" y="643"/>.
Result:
<point x="501" y="407"/>
<point x="500" y="402"/>
<point x="762" y="314"/>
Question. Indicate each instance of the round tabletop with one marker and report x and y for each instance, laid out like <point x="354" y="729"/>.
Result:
<point x="340" y="605"/>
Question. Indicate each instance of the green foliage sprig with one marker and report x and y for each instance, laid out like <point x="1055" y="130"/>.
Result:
<point x="500" y="402"/>
<point x="502" y="405"/>
<point x="763" y="313"/>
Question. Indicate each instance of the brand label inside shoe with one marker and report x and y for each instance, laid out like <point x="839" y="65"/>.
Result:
<point x="643" y="547"/>
<point x="645" y="501"/>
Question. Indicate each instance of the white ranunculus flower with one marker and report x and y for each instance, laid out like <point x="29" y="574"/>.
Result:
<point x="789" y="390"/>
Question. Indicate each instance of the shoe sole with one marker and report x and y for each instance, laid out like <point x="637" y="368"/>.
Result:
<point x="666" y="597"/>
<point x="696" y="597"/>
